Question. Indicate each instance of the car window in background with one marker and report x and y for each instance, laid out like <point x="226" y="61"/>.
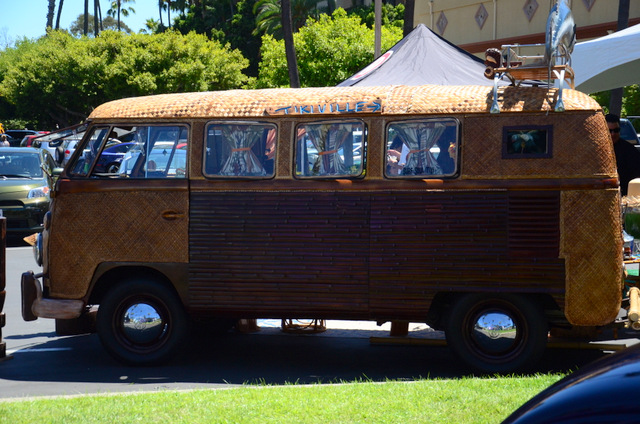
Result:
<point x="155" y="153"/>
<point x="20" y="165"/>
<point x="628" y="132"/>
<point x="54" y="141"/>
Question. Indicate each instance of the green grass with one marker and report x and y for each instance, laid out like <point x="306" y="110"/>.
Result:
<point x="468" y="400"/>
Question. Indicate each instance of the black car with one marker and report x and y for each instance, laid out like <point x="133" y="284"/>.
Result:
<point x="15" y="136"/>
<point x="602" y="392"/>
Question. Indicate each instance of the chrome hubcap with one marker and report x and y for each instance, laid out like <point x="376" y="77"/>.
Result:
<point x="142" y="323"/>
<point x="494" y="332"/>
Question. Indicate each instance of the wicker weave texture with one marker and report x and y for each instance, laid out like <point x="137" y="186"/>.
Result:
<point x="581" y="147"/>
<point x="590" y="220"/>
<point x="394" y="100"/>
<point x="114" y="226"/>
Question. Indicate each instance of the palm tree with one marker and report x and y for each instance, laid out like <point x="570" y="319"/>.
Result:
<point x="117" y="9"/>
<point x="269" y="15"/>
<point x="289" y="48"/>
<point x="167" y="5"/>
<point x="86" y="17"/>
<point x="168" y="13"/>
<point x="50" y="12"/>
<point x="409" y="12"/>
<point x="59" y="13"/>
<point x="161" y="6"/>
<point x="96" y="20"/>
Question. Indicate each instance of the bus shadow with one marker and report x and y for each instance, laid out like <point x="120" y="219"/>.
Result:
<point x="80" y="363"/>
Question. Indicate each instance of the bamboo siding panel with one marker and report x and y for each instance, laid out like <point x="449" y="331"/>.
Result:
<point x="594" y="278"/>
<point x="116" y="229"/>
<point x="580" y="148"/>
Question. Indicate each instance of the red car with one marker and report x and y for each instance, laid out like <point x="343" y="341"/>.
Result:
<point x="26" y="141"/>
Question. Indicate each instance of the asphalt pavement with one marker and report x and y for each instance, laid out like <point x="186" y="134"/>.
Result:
<point x="43" y="364"/>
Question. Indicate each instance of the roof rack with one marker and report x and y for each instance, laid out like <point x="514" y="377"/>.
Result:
<point x="510" y="63"/>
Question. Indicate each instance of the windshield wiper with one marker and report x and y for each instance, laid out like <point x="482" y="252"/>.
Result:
<point x="7" y="176"/>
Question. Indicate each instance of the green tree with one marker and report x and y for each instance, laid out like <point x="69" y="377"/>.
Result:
<point x="329" y="51"/>
<point x="226" y="21"/>
<point x="391" y="15"/>
<point x="109" y="23"/>
<point x="630" y="100"/>
<point x="59" y="79"/>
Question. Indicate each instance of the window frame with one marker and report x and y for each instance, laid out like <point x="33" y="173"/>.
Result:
<point x="458" y="139"/>
<point x="104" y="143"/>
<point x="337" y="121"/>
<point x="506" y="130"/>
<point x="219" y="176"/>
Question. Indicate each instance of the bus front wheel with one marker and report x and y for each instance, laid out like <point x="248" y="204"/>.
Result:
<point x="141" y="322"/>
<point x="496" y="333"/>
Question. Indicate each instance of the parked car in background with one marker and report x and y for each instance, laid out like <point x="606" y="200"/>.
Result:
<point x="111" y="157"/>
<point x="601" y="392"/>
<point x="67" y="149"/>
<point x="635" y="121"/>
<point x="15" y="136"/>
<point x="53" y="142"/>
<point x="28" y="139"/>
<point x="628" y="132"/>
<point x="27" y="176"/>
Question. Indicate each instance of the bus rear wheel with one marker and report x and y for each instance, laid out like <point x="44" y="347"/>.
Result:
<point x="141" y="322"/>
<point x="496" y="333"/>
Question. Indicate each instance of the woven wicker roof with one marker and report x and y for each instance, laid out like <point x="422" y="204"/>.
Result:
<point x="389" y="100"/>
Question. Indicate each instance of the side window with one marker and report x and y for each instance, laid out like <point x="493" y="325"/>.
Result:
<point x="240" y="150"/>
<point x="85" y="161"/>
<point x="330" y="149"/>
<point x="148" y="152"/>
<point x="527" y="141"/>
<point x="426" y="148"/>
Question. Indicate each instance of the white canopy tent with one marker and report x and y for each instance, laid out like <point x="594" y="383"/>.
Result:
<point x="607" y="62"/>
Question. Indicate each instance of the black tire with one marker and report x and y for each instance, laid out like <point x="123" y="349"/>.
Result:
<point x="155" y="335"/>
<point x="495" y="333"/>
<point x="59" y="155"/>
<point x="113" y="168"/>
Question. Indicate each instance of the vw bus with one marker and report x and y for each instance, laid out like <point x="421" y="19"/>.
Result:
<point x="389" y="203"/>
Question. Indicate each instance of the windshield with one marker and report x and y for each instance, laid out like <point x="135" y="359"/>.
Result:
<point x="20" y="165"/>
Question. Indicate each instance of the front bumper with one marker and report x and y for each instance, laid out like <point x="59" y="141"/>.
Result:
<point x="34" y="306"/>
<point x="26" y="217"/>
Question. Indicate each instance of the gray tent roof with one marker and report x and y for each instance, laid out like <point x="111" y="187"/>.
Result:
<point x="422" y="57"/>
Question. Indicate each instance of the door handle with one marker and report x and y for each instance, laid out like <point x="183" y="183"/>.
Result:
<point x="172" y="215"/>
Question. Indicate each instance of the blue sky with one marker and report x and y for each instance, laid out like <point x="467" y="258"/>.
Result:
<point x="27" y="18"/>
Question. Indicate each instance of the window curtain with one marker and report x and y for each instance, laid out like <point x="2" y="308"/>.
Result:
<point x="420" y="138"/>
<point x="328" y="139"/>
<point x="242" y="161"/>
<point x="318" y="136"/>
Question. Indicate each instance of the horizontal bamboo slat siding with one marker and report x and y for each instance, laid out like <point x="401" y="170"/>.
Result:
<point x="263" y="252"/>
<point x="441" y="242"/>
<point x="366" y="254"/>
